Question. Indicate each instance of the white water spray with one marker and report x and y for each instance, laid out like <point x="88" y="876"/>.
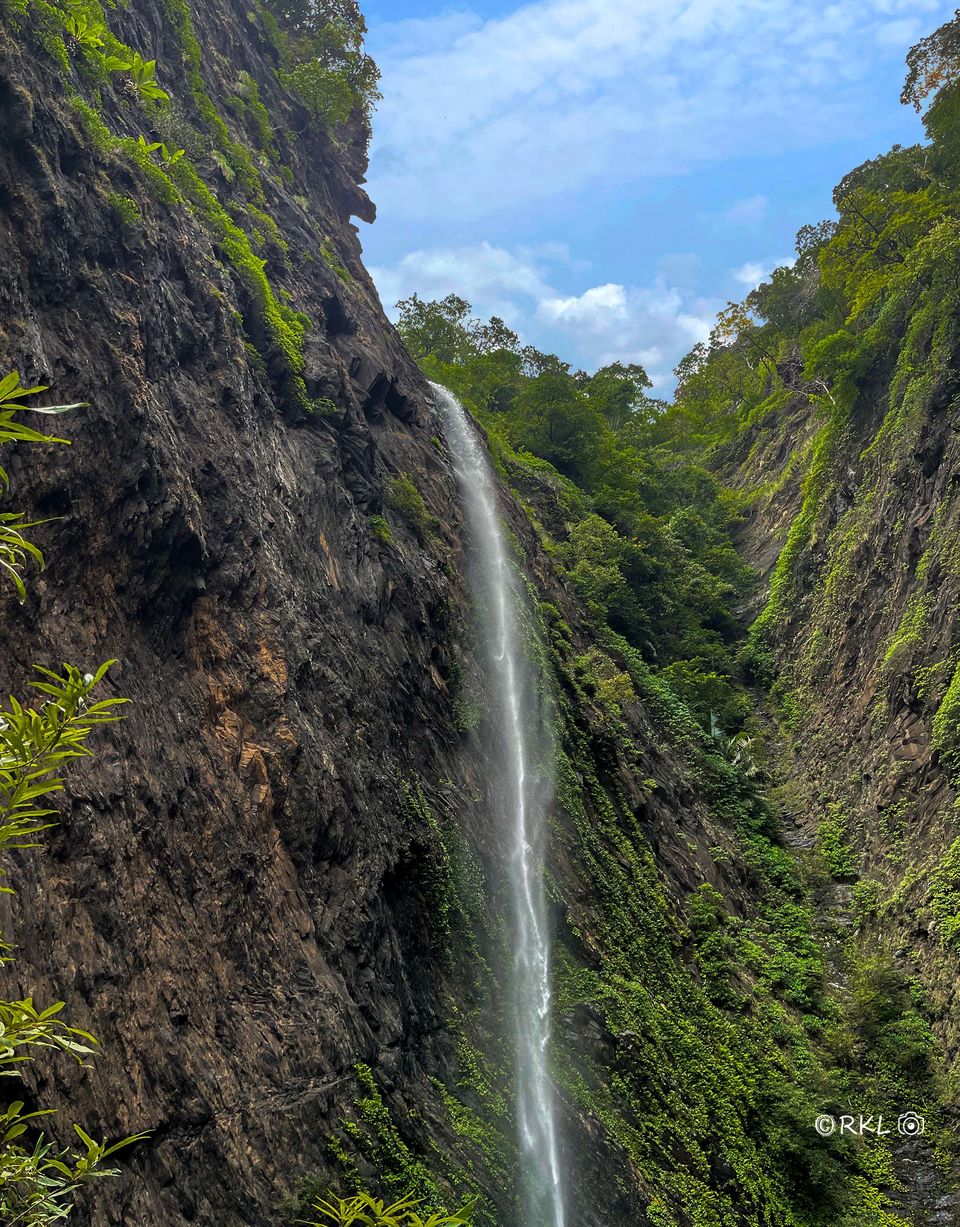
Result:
<point x="523" y="752"/>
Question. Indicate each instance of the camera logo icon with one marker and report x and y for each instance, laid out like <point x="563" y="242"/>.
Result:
<point x="911" y="1125"/>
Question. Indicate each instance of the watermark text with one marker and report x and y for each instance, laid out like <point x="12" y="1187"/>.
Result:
<point x="907" y="1125"/>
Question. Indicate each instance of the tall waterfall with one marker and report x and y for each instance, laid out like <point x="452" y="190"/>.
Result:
<point x="521" y="759"/>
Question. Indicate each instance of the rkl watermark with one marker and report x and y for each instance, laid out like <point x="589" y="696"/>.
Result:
<point x="908" y="1125"/>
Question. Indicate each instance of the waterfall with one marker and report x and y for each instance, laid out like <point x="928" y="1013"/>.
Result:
<point x="522" y="753"/>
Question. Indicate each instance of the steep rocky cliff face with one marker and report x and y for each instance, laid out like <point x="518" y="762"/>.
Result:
<point x="866" y="647"/>
<point x="847" y="453"/>
<point x="241" y="916"/>
<point x="275" y="894"/>
<point x="248" y="898"/>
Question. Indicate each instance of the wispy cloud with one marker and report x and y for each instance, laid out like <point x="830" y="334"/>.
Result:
<point x="753" y="272"/>
<point x="482" y="115"/>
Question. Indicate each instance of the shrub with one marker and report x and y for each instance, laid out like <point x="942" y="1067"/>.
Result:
<point x="366" y="1210"/>
<point x="125" y="208"/>
<point x="834" y="848"/>
<point x="405" y="499"/>
<point x="321" y="42"/>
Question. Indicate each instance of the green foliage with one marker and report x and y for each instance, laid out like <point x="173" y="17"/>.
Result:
<point x="125" y="208"/>
<point x="248" y="103"/>
<point x="944" y="896"/>
<point x="85" y="30"/>
<point x="895" y="1037"/>
<point x="15" y="549"/>
<point x="143" y="74"/>
<point x="403" y="497"/>
<point x="867" y="315"/>
<point x="834" y="846"/>
<point x="641" y="530"/>
<point x="867" y="897"/>
<point x="38" y="1180"/>
<point x="366" y="1211"/>
<point x="380" y="529"/>
<point x="332" y="259"/>
<point x="321" y="45"/>
<point x="277" y="328"/>
<point x="908" y="636"/>
<point x="282" y="328"/>
<point x="933" y="64"/>
<point x="946" y="727"/>
<point x="35" y="743"/>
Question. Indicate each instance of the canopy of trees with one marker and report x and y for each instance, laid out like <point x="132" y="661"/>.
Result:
<point x="640" y="529"/>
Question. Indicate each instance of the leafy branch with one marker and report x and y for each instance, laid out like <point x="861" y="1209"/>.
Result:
<point x="15" y="549"/>
<point x="366" y="1211"/>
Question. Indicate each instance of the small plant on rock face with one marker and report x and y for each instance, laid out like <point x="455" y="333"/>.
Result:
<point x="125" y="208"/>
<point x="143" y="75"/>
<point x="166" y="157"/>
<point x="366" y="1211"/>
<point x="15" y="549"/>
<point x="380" y="529"/>
<point x="87" y="32"/>
<point x="405" y="499"/>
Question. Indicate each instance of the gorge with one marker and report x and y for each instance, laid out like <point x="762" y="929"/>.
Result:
<point x="532" y="797"/>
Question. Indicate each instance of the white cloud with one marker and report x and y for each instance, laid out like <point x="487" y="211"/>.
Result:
<point x="900" y="33"/>
<point x="750" y="274"/>
<point x="754" y="272"/>
<point x="654" y="325"/>
<point x="594" y="309"/>
<point x="480" y="116"/>
<point x="492" y="278"/>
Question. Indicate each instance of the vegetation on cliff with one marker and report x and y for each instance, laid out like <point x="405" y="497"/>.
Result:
<point x="640" y="529"/>
<point x="699" y="1036"/>
<point x="38" y="1179"/>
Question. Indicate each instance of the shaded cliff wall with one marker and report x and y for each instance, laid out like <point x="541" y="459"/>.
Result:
<point x="234" y="899"/>
<point x="861" y="623"/>
<point x="274" y="893"/>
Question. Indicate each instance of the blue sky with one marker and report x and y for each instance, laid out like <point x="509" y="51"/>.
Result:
<point x="606" y="174"/>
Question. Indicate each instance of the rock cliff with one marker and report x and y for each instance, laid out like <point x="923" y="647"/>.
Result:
<point x="273" y="894"/>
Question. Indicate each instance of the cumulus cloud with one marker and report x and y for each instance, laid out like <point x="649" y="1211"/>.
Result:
<point x="654" y="325"/>
<point x="480" y="115"/>
<point x="495" y="280"/>
<point x="594" y="309"/>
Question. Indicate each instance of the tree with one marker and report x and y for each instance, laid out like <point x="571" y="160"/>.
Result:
<point x="495" y="336"/>
<point x="441" y="329"/>
<point x="325" y="62"/>
<point x="617" y="390"/>
<point x="553" y="419"/>
<point x="933" y="64"/>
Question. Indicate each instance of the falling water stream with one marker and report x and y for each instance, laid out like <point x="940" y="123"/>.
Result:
<point x="521" y="756"/>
